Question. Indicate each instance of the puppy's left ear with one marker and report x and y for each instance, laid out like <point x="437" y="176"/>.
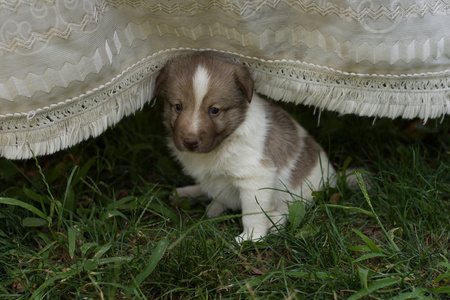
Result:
<point x="244" y="81"/>
<point x="160" y="81"/>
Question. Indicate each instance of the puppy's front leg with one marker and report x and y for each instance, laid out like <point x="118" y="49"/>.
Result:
<point x="190" y="192"/>
<point x="256" y="207"/>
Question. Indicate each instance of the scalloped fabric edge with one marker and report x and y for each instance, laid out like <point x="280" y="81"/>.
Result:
<point x="60" y="126"/>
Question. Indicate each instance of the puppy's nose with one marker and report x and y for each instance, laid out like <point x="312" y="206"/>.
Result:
<point x="191" y="143"/>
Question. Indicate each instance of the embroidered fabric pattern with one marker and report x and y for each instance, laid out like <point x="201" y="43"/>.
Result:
<point x="14" y="34"/>
<point x="72" y="68"/>
<point x="365" y="9"/>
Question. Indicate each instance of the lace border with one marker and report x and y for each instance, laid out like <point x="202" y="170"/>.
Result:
<point x="62" y="125"/>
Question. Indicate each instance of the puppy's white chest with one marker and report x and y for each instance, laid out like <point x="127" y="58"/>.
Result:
<point x="232" y="163"/>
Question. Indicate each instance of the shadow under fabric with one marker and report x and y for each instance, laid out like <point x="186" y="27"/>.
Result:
<point x="71" y="69"/>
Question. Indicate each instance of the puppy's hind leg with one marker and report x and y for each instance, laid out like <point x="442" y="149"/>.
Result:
<point x="215" y="209"/>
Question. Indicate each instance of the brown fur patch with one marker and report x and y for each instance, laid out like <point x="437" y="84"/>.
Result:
<point x="308" y="158"/>
<point x="230" y="89"/>
<point x="282" y="143"/>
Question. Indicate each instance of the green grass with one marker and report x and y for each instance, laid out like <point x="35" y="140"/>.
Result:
<point x="95" y="222"/>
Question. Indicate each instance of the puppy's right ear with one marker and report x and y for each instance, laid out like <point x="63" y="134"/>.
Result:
<point x="160" y="81"/>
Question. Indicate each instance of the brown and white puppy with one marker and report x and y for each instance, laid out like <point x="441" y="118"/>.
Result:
<point x="244" y="152"/>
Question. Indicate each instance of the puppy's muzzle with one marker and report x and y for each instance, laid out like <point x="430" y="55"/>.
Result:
<point x="191" y="143"/>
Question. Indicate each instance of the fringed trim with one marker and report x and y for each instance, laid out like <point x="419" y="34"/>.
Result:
<point x="58" y="135"/>
<point x="424" y="96"/>
<point x="63" y="125"/>
<point x="364" y="102"/>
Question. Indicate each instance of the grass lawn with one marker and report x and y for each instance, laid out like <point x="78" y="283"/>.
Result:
<point x="95" y="222"/>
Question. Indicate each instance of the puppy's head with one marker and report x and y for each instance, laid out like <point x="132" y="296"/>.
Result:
<point x="206" y="99"/>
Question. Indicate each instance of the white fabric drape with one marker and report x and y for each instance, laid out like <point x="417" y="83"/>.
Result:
<point x="71" y="68"/>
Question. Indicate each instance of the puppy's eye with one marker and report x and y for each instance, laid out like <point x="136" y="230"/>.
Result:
<point x="214" y="110"/>
<point x="178" y="107"/>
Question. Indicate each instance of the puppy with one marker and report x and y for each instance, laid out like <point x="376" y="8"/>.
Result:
<point x="244" y="152"/>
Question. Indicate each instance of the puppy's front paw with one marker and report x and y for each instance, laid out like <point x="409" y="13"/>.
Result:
<point x="253" y="236"/>
<point x="190" y="192"/>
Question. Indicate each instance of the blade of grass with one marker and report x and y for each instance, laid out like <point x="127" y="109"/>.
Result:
<point x="297" y="212"/>
<point x="418" y="295"/>
<point x="102" y="250"/>
<point x="37" y="293"/>
<point x="375" y="286"/>
<point x="36" y="197"/>
<point x="66" y="196"/>
<point x="153" y="262"/>
<point x="71" y="235"/>
<point x="369" y="256"/>
<point x="368" y="241"/>
<point x="357" y="209"/>
<point x="27" y="206"/>
<point x="34" y="222"/>
<point x="363" y="276"/>
<point x="363" y="188"/>
<point x="54" y="203"/>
